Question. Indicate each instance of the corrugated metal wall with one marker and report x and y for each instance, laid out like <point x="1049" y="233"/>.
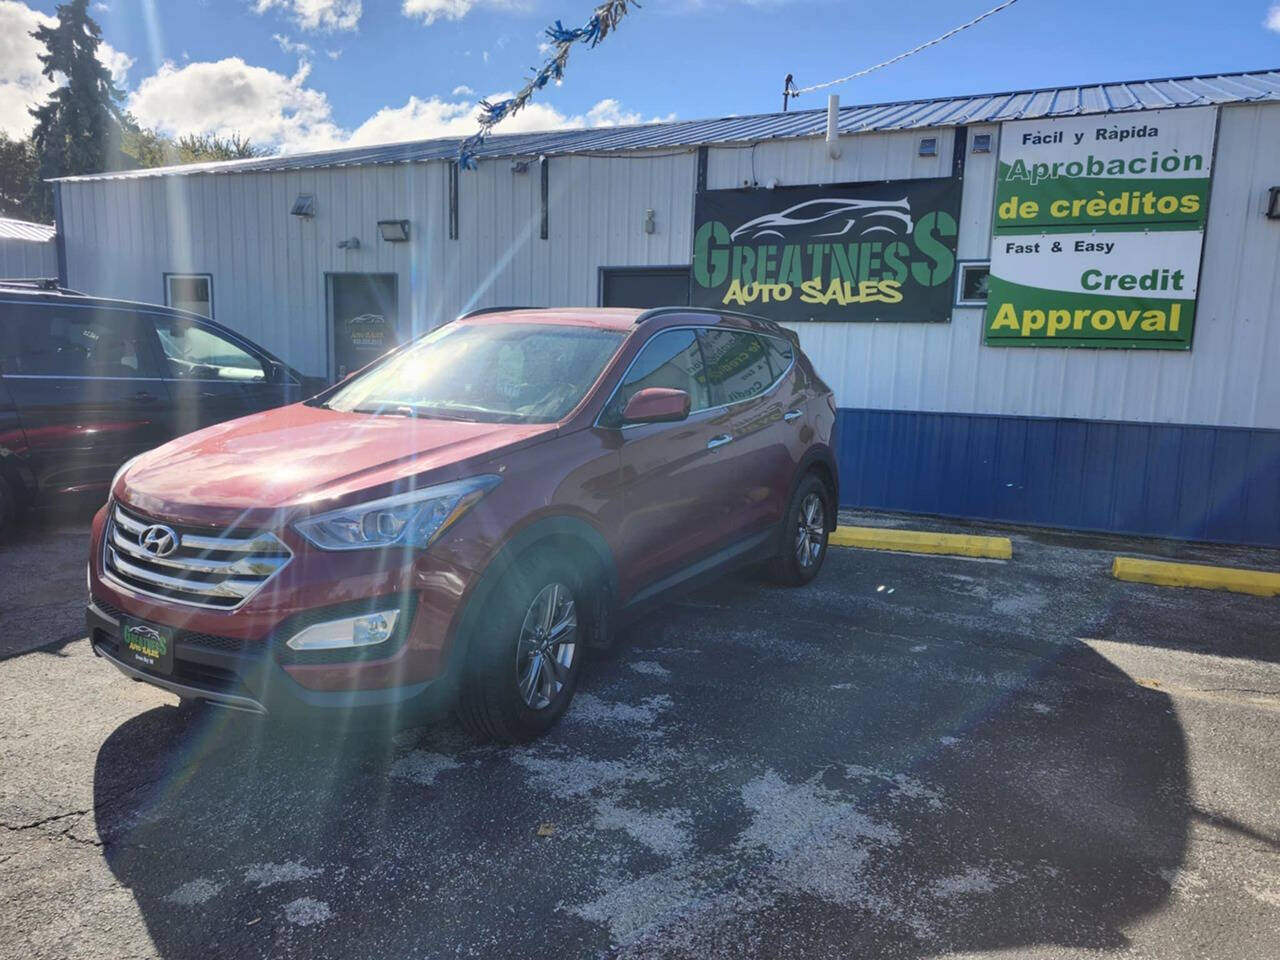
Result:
<point x="27" y="258"/>
<point x="269" y="267"/>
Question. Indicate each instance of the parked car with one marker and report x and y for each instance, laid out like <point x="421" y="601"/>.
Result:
<point x="460" y="520"/>
<point x="87" y="383"/>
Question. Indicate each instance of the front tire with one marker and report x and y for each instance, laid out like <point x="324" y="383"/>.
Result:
<point x="525" y="656"/>
<point x="805" y="532"/>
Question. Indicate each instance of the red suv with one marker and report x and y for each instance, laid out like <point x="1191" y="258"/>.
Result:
<point x="460" y="520"/>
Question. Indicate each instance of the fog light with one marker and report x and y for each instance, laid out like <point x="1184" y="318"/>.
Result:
<point x="362" y="631"/>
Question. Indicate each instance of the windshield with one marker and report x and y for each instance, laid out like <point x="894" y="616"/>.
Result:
<point x="509" y="373"/>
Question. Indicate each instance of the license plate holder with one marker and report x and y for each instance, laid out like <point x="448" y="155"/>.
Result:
<point x="147" y="647"/>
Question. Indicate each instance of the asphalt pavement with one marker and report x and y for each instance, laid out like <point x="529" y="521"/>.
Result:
<point x="912" y="757"/>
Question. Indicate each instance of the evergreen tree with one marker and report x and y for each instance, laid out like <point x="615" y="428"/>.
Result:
<point x="78" y="129"/>
<point x="17" y="173"/>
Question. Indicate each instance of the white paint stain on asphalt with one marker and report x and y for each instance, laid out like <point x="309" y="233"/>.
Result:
<point x="269" y="874"/>
<point x="588" y="708"/>
<point x="306" y="912"/>
<point x="422" y="766"/>
<point x="570" y="775"/>
<point x="195" y="892"/>
<point x="665" y="832"/>
<point x="649" y="668"/>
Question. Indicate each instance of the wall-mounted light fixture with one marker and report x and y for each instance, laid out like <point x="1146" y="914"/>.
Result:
<point x="928" y="147"/>
<point x="982" y="143"/>
<point x="351" y="243"/>
<point x="1273" y="203"/>
<point x="520" y="166"/>
<point x="394" y="231"/>
<point x="304" y="206"/>
<point x="649" y="225"/>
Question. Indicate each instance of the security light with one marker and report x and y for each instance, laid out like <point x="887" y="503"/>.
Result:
<point x="1273" y="203"/>
<point x="929" y="147"/>
<point x="394" y="231"/>
<point x="304" y="206"/>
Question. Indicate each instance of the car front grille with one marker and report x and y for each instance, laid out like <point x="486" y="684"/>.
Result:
<point x="186" y="565"/>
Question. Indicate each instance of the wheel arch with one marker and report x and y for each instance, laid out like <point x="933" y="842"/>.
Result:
<point x="821" y="461"/>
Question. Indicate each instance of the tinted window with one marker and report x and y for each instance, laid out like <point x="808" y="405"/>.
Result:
<point x="780" y="355"/>
<point x="670" y="359"/>
<point x="496" y="372"/>
<point x="53" y="340"/>
<point x="737" y="365"/>
<point x="197" y="353"/>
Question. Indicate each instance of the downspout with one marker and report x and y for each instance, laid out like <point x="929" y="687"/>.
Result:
<point x="833" y="126"/>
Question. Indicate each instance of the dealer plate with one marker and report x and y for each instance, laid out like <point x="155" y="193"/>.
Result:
<point x="148" y="647"/>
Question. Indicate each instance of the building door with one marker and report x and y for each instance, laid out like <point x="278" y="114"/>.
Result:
<point x="644" y="286"/>
<point x="363" y="319"/>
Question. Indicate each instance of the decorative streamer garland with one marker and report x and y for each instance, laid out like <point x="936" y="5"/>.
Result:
<point x="603" y="21"/>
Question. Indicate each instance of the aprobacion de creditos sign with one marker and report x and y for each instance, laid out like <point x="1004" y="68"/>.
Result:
<point x="1098" y="229"/>
<point x="882" y="251"/>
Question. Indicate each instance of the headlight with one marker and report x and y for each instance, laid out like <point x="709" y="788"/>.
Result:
<point x="412" y="519"/>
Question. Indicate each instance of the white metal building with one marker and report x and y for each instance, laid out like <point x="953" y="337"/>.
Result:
<point x="27" y="250"/>
<point x="934" y="418"/>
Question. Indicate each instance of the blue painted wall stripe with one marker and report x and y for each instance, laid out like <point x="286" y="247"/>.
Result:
<point x="1189" y="482"/>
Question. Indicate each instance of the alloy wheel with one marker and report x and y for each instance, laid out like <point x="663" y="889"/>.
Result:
<point x="547" y="645"/>
<point x="811" y="531"/>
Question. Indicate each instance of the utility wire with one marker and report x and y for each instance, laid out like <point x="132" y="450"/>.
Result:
<point x="911" y="52"/>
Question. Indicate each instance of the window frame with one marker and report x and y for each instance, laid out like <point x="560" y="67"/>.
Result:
<point x="962" y="266"/>
<point x="168" y="294"/>
<point x="696" y="328"/>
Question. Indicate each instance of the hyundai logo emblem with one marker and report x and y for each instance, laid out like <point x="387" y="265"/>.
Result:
<point x="158" y="540"/>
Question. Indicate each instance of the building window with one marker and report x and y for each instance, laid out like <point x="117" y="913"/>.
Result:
<point x="190" y="291"/>
<point x="971" y="283"/>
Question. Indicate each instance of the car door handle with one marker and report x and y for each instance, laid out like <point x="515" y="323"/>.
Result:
<point x="143" y="396"/>
<point x="792" y="415"/>
<point x="719" y="441"/>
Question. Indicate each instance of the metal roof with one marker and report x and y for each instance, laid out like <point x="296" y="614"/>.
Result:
<point x="1119" y="97"/>
<point x="22" y="230"/>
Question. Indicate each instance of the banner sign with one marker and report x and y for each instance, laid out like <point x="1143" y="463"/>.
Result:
<point x="861" y="252"/>
<point x="1098" y="228"/>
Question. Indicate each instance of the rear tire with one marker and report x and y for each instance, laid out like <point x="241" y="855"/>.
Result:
<point x="525" y="655"/>
<point x="805" y="532"/>
<point x="8" y="506"/>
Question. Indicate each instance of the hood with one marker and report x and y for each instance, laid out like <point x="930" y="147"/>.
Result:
<point x="298" y="455"/>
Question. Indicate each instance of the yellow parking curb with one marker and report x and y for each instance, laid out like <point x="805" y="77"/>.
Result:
<point x="1166" y="574"/>
<point x="918" y="541"/>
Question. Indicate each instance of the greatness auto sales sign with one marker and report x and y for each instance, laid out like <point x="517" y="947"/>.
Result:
<point x="880" y="251"/>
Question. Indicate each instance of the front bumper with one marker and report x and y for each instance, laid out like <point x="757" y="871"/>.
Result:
<point x="248" y="676"/>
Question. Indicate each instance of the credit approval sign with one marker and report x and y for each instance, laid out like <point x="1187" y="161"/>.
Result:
<point x="1097" y="229"/>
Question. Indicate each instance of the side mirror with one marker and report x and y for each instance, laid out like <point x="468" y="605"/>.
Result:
<point x="656" y="405"/>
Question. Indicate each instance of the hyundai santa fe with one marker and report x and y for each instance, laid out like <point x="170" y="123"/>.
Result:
<point x="460" y="521"/>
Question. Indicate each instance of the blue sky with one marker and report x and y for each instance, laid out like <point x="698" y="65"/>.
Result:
<point x="220" y="64"/>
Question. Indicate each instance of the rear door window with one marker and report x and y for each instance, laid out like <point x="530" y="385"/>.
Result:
<point x="780" y="355"/>
<point x="737" y="365"/>
<point x="670" y="359"/>
<point x="52" y="340"/>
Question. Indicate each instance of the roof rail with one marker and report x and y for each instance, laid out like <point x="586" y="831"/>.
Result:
<point x="713" y="311"/>
<point x="39" y="283"/>
<point x="479" y="311"/>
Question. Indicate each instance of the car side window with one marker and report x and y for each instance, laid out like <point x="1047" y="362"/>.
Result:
<point x="737" y="365"/>
<point x="780" y="355"/>
<point x="194" y="352"/>
<point x="51" y="340"/>
<point x="670" y="359"/>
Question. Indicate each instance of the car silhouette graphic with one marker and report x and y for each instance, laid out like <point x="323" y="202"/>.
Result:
<point x="837" y="218"/>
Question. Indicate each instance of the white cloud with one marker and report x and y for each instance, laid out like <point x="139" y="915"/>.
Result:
<point x="333" y="54"/>
<point x="21" y="84"/>
<point x="462" y="90"/>
<point x="432" y="10"/>
<point x="317" y="14"/>
<point x="1273" y="18"/>
<point x="229" y="96"/>
<point x="289" y="45"/>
